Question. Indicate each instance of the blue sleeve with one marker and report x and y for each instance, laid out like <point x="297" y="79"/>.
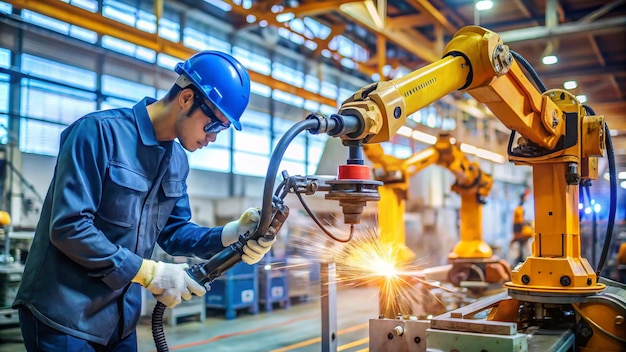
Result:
<point x="182" y="237"/>
<point x="77" y="189"/>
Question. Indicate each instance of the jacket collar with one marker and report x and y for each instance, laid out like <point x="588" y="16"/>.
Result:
<point x="144" y="124"/>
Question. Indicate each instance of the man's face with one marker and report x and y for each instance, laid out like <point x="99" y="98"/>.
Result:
<point x="197" y="130"/>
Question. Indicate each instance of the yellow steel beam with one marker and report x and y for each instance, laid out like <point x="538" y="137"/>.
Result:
<point x="404" y="21"/>
<point x="105" y="26"/>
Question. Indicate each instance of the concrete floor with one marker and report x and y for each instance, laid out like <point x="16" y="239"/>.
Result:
<point x="297" y="328"/>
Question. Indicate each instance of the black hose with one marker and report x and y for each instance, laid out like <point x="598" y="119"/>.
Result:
<point x="158" y="334"/>
<point x="531" y="71"/>
<point x="272" y="169"/>
<point x="612" y="197"/>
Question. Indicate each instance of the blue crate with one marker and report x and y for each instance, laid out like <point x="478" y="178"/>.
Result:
<point x="236" y="289"/>
<point x="273" y="287"/>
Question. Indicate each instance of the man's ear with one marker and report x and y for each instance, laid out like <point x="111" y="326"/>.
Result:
<point x="185" y="97"/>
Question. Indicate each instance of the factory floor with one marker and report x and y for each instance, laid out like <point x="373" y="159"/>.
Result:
<point x="296" y="328"/>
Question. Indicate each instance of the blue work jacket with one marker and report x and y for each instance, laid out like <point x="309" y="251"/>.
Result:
<point x="116" y="191"/>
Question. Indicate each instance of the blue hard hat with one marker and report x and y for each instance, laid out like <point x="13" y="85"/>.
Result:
<point x="221" y="79"/>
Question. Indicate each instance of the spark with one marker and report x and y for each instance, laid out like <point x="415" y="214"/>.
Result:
<point x="368" y="261"/>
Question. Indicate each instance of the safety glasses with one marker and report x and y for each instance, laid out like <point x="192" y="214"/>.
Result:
<point x="214" y="125"/>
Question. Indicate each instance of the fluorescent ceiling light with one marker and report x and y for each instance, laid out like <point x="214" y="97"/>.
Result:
<point x="285" y="17"/>
<point x="424" y="137"/>
<point x="482" y="5"/>
<point x="570" y="84"/>
<point x="405" y="131"/>
<point x="582" y="98"/>
<point x="550" y="60"/>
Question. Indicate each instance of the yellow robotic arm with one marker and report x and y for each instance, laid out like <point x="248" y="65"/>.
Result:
<point x="557" y="139"/>
<point x="472" y="184"/>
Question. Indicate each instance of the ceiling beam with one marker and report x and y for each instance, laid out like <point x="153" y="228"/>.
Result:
<point x="401" y="22"/>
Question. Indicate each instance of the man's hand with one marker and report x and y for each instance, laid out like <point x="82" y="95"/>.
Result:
<point x="168" y="282"/>
<point x="248" y="222"/>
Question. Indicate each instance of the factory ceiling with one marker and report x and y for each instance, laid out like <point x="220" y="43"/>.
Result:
<point x="587" y="36"/>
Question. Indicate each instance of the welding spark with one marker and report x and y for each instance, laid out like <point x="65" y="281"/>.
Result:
<point x="368" y="261"/>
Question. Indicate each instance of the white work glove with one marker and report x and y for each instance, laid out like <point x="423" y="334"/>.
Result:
<point x="254" y="250"/>
<point x="168" y="282"/>
<point x="248" y="222"/>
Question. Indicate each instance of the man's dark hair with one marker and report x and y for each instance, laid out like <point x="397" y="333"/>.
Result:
<point x="173" y="93"/>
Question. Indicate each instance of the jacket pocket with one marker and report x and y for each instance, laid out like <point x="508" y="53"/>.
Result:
<point x="172" y="191"/>
<point x="123" y="194"/>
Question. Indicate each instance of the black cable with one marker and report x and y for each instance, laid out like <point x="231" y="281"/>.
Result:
<point x="612" y="197"/>
<point x="531" y="71"/>
<point x="158" y="334"/>
<point x="319" y="223"/>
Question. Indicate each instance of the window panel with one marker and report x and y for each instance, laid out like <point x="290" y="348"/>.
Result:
<point x="287" y="74"/>
<point x="58" y="72"/>
<point x="169" y="29"/>
<point x="4" y="93"/>
<point x="59" y="26"/>
<point x="120" y="12"/>
<point x="250" y="164"/>
<point x="260" y="89"/>
<point x="199" y="39"/>
<point x="5" y="7"/>
<point x="114" y="103"/>
<point x="125" y="89"/>
<point x="55" y="103"/>
<point x="317" y="144"/>
<point x="292" y="167"/>
<point x="297" y="147"/>
<point x="252" y="61"/>
<point x="39" y="137"/>
<point x="130" y="49"/>
<point x="254" y="136"/>
<point x="89" y="5"/>
<point x="5" y="58"/>
<point x="329" y="90"/>
<point x="167" y="61"/>
<point x="212" y="159"/>
<point x="287" y="98"/>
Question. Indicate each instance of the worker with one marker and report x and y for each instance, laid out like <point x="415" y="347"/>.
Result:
<point x="521" y="243"/>
<point x="119" y="187"/>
